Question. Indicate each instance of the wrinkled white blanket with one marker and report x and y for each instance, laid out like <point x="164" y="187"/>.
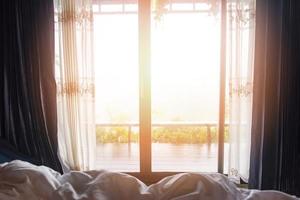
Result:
<point x="21" y="180"/>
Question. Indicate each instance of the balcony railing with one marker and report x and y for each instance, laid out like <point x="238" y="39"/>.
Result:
<point x="130" y="126"/>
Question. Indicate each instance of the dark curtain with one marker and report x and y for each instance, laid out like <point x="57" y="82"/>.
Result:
<point x="27" y="84"/>
<point x="275" y="143"/>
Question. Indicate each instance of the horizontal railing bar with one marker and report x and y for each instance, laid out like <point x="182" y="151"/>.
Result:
<point x="136" y="1"/>
<point x="160" y="124"/>
<point x="105" y="2"/>
<point x="135" y="12"/>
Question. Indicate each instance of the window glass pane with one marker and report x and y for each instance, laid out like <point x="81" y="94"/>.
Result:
<point x="117" y="99"/>
<point x="182" y="6"/>
<point x="185" y="91"/>
<point x="111" y="8"/>
<point x="131" y="7"/>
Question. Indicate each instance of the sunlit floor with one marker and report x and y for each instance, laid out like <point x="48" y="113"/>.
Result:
<point x="165" y="157"/>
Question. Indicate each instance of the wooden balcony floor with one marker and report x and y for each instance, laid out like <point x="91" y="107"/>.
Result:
<point x="165" y="157"/>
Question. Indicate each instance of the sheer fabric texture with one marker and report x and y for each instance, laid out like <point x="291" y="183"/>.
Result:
<point x="240" y="61"/>
<point x="75" y="84"/>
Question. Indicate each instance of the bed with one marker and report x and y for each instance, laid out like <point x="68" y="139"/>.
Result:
<point x="22" y="180"/>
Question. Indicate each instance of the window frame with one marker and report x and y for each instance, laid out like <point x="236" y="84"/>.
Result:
<point x="146" y="174"/>
<point x="144" y="61"/>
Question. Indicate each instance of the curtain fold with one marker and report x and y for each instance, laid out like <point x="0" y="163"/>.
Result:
<point x="240" y="61"/>
<point x="75" y="82"/>
<point x="275" y="142"/>
<point x="27" y="84"/>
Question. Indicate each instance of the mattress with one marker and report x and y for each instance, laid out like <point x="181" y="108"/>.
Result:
<point x="22" y="180"/>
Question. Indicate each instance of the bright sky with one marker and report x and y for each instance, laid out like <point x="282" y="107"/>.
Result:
<point x="184" y="64"/>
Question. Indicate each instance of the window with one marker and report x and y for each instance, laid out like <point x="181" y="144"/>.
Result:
<point x="158" y="87"/>
<point x="117" y="87"/>
<point x="185" y="90"/>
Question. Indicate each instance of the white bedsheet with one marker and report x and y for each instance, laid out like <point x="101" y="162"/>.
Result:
<point x="21" y="180"/>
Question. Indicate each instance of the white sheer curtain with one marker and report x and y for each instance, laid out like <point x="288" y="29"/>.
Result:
<point x="240" y="60"/>
<point x="75" y="84"/>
